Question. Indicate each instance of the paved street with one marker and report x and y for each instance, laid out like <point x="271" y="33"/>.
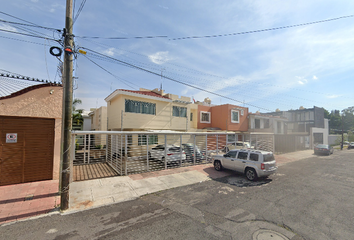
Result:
<point x="306" y="199"/>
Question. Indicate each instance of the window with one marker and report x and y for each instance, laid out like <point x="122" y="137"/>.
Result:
<point x="242" y="155"/>
<point x="130" y="139"/>
<point x="257" y="123"/>
<point x="142" y="139"/>
<point x="232" y="154"/>
<point x="205" y="117"/>
<point x="235" y="116"/>
<point x="253" y="157"/>
<point x="140" y="107"/>
<point x="191" y="117"/>
<point x="266" y="123"/>
<point x="179" y="111"/>
<point x="231" y="138"/>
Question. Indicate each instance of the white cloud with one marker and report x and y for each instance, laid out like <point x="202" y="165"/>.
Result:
<point x="109" y="52"/>
<point x="159" y="57"/>
<point x="8" y="28"/>
<point x="301" y="80"/>
<point x="333" y="96"/>
<point x="314" y="77"/>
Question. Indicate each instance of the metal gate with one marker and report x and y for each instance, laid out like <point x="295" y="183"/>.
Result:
<point x="138" y="152"/>
<point x="26" y="149"/>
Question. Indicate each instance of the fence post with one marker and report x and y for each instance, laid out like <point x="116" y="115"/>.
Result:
<point x="165" y="154"/>
<point x="126" y="155"/>
<point x="85" y="148"/>
<point x="88" y="150"/>
<point x="194" y="142"/>
<point x="180" y="150"/>
<point x="147" y="153"/>
<point x="106" y="147"/>
<point x="206" y="147"/>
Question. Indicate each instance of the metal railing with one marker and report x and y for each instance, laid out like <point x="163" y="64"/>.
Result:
<point x="137" y="152"/>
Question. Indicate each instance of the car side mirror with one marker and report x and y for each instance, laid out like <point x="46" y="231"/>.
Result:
<point x="226" y="155"/>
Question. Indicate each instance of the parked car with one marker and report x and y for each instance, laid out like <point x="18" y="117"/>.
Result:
<point x="323" y="149"/>
<point x="253" y="163"/>
<point x="189" y="150"/>
<point x="237" y="145"/>
<point x="174" y="154"/>
<point x="351" y="145"/>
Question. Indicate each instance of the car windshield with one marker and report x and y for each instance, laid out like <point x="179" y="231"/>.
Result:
<point x="268" y="157"/>
<point x="174" y="149"/>
<point x="322" y="146"/>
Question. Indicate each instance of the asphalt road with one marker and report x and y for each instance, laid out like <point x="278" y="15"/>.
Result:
<point x="306" y="199"/>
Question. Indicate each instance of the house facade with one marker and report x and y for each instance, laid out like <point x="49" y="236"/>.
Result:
<point x="264" y="123"/>
<point x="307" y="123"/>
<point x="30" y="140"/>
<point x="145" y="109"/>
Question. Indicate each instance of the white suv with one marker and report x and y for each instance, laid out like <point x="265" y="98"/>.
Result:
<point x="252" y="163"/>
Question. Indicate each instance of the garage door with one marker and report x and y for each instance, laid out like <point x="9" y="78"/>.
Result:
<point x="26" y="149"/>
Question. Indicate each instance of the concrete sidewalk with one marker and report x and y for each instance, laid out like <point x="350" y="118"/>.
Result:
<point x="21" y="201"/>
<point x="98" y="192"/>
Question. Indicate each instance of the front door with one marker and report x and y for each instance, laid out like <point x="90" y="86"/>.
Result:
<point x="11" y="157"/>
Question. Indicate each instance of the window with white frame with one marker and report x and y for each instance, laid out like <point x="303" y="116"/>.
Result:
<point x="143" y="139"/>
<point x="205" y="117"/>
<point x="140" y="107"/>
<point x="179" y="111"/>
<point x="235" y="116"/>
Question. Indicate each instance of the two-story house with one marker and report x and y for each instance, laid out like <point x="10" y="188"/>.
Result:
<point x="309" y="123"/>
<point x="265" y="123"/>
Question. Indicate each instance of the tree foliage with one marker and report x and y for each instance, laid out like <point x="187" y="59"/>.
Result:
<point x="341" y="119"/>
<point x="77" y="113"/>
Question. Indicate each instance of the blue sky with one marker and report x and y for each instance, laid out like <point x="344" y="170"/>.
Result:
<point x="288" y="68"/>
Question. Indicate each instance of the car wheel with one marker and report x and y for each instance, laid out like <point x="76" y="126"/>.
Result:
<point x="217" y="166"/>
<point x="251" y="174"/>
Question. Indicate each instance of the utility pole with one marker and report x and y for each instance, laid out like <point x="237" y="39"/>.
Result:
<point x="67" y="106"/>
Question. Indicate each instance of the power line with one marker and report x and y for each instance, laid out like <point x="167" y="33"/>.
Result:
<point x="121" y="38"/>
<point x="29" y="35"/>
<point x="30" y="25"/>
<point x="16" y="39"/>
<point x="174" y="80"/>
<point x="124" y="81"/>
<point x="262" y="30"/>
<point x="79" y="11"/>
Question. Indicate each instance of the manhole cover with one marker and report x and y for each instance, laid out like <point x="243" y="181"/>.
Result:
<point x="264" y="234"/>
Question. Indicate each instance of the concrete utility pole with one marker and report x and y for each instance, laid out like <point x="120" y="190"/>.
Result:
<point x="67" y="106"/>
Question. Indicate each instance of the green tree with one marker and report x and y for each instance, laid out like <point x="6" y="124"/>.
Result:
<point x="78" y="120"/>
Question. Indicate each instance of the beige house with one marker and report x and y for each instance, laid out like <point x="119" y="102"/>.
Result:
<point x="30" y="128"/>
<point x="150" y="110"/>
<point x="98" y="121"/>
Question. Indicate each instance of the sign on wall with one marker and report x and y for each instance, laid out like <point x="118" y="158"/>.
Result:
<point x="11" y="137"/>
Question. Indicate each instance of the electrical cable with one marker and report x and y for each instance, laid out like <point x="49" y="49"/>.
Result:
<point x="124" y="81"/>
<point x="25" y="34"/>
<point x="262" y="30"/>
<point x="79" y="11"/>
<point x="174" y="80"/>
<point x="120" y="38"/>
<point x="208" y="74"/>
<point x="30" y="25"/>
<point x="21" y="40"/>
